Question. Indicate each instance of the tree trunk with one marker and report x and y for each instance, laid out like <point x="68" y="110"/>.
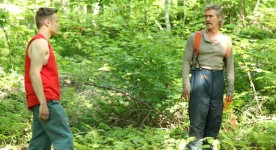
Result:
<point x="96" y="8"/>
<point x="184" y="13"/>
<point x="167" y="18"/>
<point x="145" y="13"/>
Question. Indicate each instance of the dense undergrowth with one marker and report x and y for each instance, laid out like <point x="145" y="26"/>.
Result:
<point x="94" y="129"/>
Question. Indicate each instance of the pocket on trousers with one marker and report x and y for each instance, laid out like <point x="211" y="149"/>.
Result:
<point x="57" y="113"/>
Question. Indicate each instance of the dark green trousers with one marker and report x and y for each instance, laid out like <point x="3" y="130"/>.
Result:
<point x="205" y="105"/>
<point x="54" y="131"/>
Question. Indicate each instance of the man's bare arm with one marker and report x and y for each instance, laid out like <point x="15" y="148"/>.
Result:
<point x="37" y="52"/>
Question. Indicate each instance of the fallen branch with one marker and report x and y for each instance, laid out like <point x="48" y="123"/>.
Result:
<point x="118" y="91"/>
<point x="147" y="106"/>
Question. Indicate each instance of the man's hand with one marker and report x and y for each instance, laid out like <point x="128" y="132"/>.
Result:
<point x="43" y="112"/>
<point x="229" y="98"/>
<point x="227" y="102"/>
<point x="186" y="95"/>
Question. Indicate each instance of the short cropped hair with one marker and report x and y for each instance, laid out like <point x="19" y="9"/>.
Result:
<point x="218" y="9"/>
<point x="42" y="14"/>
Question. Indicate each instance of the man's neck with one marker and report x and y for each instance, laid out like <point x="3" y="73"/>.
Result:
<point x="212" y="32"/>
<point x="45" y="33"/>
<point x="212" y="36"/>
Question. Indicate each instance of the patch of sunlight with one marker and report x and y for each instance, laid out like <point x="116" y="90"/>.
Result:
<point x="105" y="68"/>
<point x="11" y="8"/>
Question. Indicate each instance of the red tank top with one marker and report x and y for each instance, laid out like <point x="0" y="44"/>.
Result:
<point x="49" y="76"/>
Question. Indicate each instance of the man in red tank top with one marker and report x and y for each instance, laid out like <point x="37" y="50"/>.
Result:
<point x="50" y="122"/>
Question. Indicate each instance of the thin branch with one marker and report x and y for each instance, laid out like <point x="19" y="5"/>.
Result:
<point x="252" y="86"/>
<point x="7" y="39"/>
<point x="158" y="24"/>
<point x="145" y="118"/>
<point x="184" y="13"/>
<point x="257" y="4"/>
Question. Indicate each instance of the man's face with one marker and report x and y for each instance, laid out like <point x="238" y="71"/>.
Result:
<point x="211" y="19"/>
<point x="54" y="25"/>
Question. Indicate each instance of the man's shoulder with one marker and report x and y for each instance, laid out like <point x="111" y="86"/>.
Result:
<point x="226" y="36"/>
<point x="192" y="35"/>
<point x="39" y="45"/>
<point x="40" y="42"/>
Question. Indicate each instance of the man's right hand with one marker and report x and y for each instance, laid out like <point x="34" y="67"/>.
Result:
<point x="186" y="95"/>
<point x="43" y="112"/>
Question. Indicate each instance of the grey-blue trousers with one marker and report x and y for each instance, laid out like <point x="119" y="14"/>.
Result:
<point x="206" y="103"/>
<point x="54" y="131"/>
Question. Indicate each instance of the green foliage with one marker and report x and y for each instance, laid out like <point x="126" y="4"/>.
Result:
<point x="11" y="84"/>
<point x="4" y="17"/>
<point x="250" y="133"/>
<point x="104" y="137"/>
<point x="15" y="122"/>
<point x="14" y="117"/>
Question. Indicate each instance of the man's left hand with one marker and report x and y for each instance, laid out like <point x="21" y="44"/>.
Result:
<point x="229" y="98"/>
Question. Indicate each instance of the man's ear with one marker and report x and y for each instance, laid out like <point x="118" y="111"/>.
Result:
<point x="47" y="22"/>
<point x="220" y="18"/>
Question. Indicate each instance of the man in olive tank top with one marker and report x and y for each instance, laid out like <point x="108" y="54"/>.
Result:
<point x="50" y="122"/>
<point x="205" y="89"/>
